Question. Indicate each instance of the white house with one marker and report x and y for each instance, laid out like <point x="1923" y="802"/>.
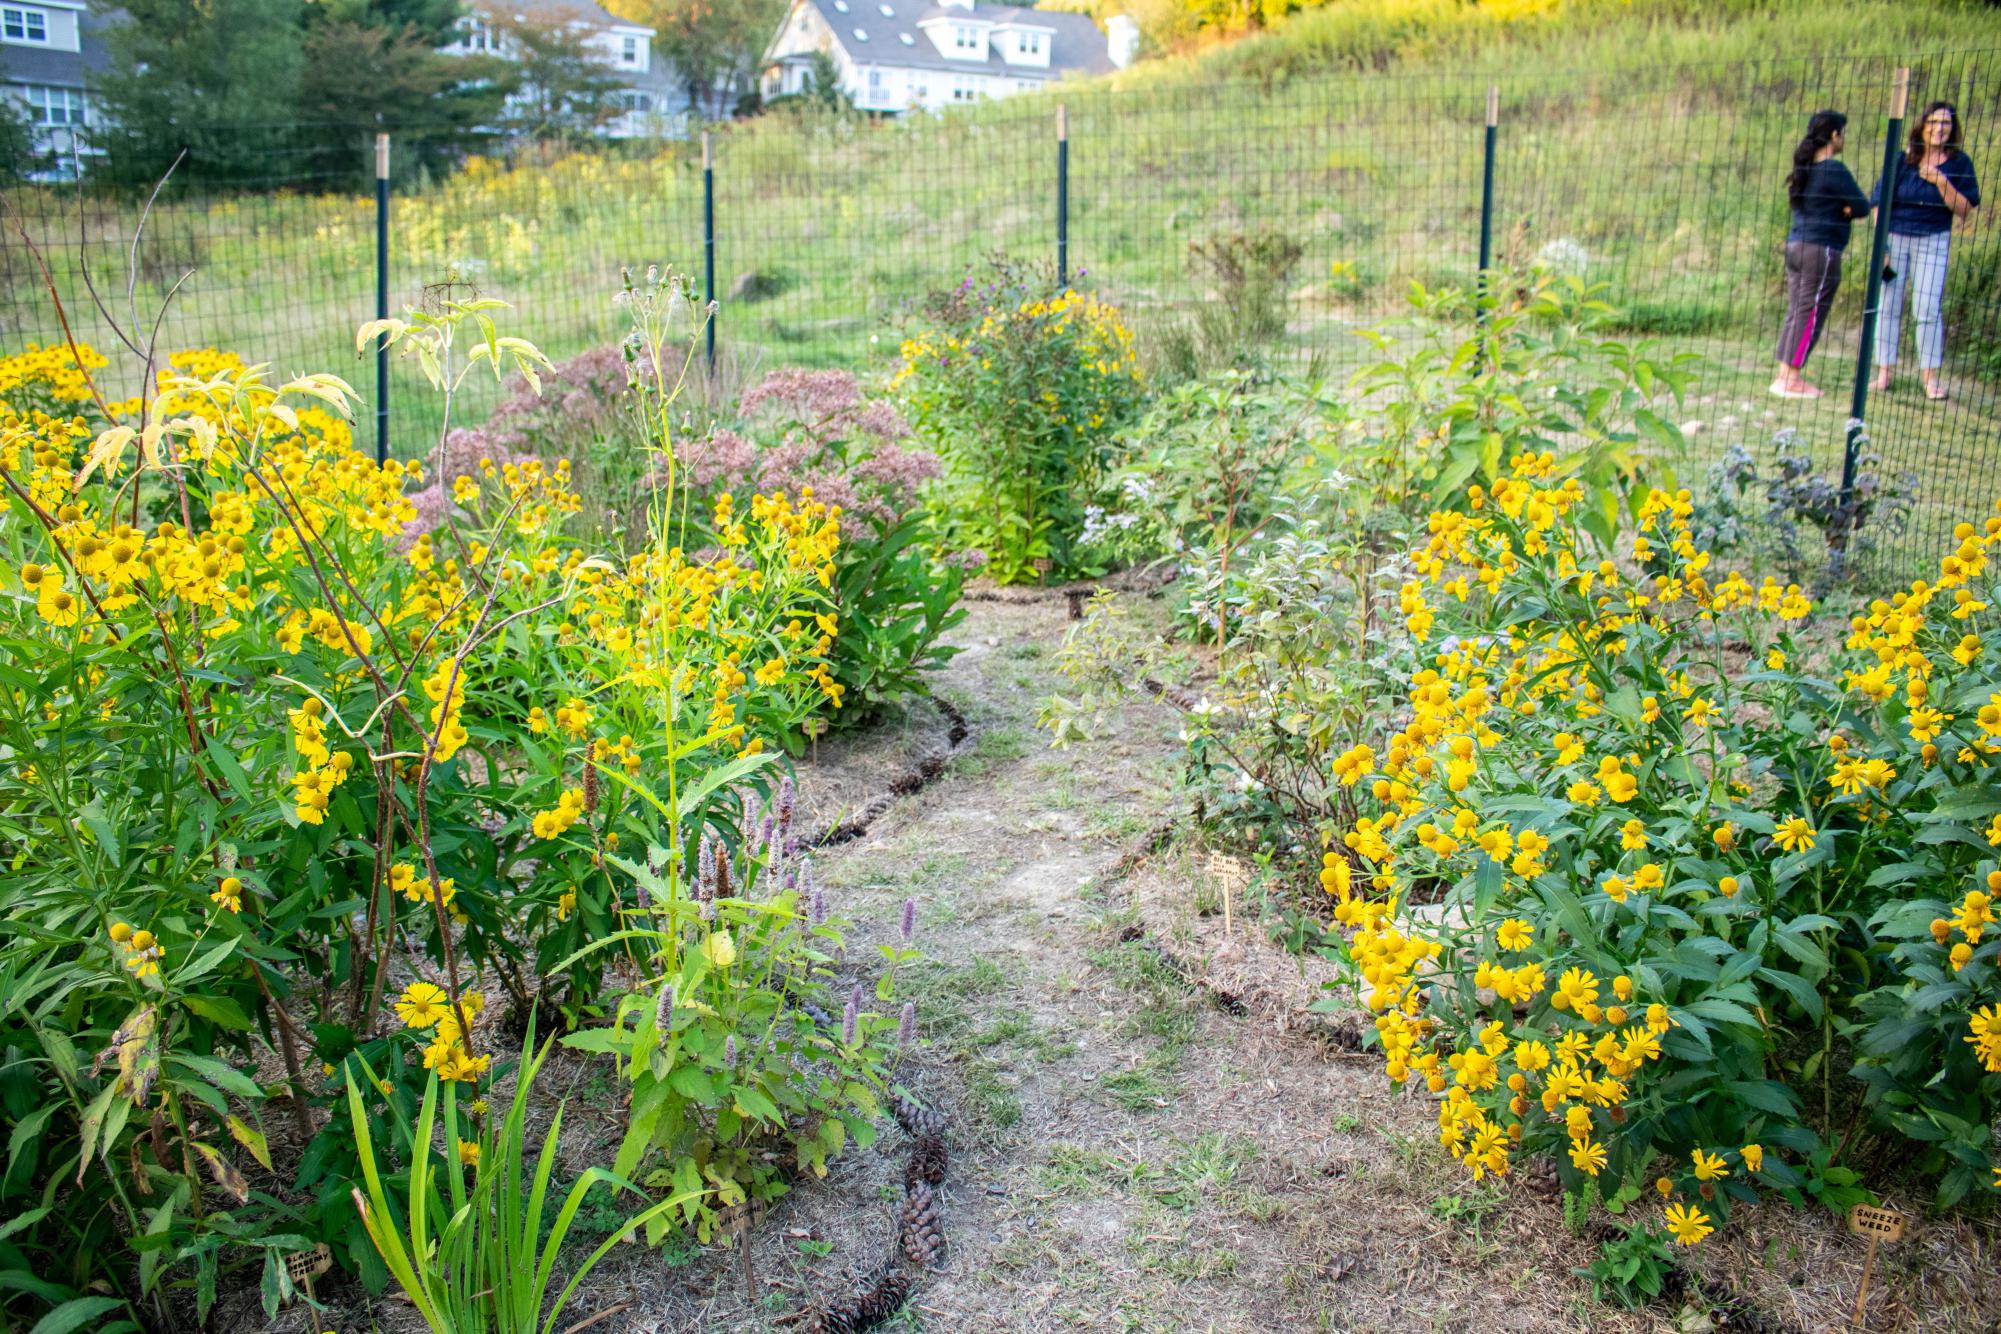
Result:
<point x="893" y="55"/>
<point x="49" y="51"/>
<point x="654" y="102"/>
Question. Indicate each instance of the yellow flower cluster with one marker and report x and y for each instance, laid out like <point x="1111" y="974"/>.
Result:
<point x="423" y="1006"/>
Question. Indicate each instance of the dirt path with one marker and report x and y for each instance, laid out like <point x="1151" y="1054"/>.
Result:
<point x="1127" y="1154"/>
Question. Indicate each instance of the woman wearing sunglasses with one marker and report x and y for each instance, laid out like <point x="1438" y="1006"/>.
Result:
<point x="1934" y="188"/>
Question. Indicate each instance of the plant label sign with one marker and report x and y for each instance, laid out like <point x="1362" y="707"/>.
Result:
<point x="1876" y="1224"/>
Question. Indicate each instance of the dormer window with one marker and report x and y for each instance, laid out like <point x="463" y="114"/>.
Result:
<point x="966" y="39"/>
<point x="1031" y="43"/>
<point x="628" y="51"/>
<point x="476" y="35"/>
<point x="18" y="24"/>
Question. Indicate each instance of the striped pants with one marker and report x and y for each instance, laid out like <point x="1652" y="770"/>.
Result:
<point x="1813" y="274"/>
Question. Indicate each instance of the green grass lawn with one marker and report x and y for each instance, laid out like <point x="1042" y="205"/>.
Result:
<point x="1623" y="155"/>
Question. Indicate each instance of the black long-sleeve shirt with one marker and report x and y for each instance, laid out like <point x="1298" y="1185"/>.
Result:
<point x="1828" y="205"/>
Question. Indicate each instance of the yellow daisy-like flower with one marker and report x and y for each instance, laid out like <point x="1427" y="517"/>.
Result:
<point x="468" y="1153"/>
<point x="1587" y="1157"/>
<point x="1709" y="1166"/>
<point x="1754" y="1157"/>
<point x="422" y="1005"/>
<point x="1794" y="835"/>
<point x="1689" y="1225"/>
<point x="1515" y="934"/>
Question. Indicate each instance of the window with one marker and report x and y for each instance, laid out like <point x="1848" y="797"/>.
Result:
<point x="629" y="51"/>
<point x="56" y="106"/>
<point x="477" y="36"/>
<point x="861" y="34"/>
<point x="962" y="91"/>
<point x="874" y="79"/>
<point x="906" y="39"/>
<point x="24" y="25"/>
<point x="1031" y="43"/>
<point x="965" y="39"/>
<point x="635" y="100"/>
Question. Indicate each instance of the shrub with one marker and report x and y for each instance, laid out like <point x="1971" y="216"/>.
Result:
<point x="747" y="1066"/>
<point x="1639" y="879"/>
<point x="258" y="739"/>
<point x="814" y="433"/>
<point x="1018" y="385"/>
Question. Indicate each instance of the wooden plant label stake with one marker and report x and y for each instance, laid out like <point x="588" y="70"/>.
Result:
<point x="1879" y="1225"/>
<point x="1228" y="873"/>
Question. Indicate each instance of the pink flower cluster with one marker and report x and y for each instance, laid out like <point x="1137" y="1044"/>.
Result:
<point x="823" y="404"/>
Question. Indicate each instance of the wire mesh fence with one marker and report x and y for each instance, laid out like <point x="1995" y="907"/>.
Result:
<point x="1666" y="185"/>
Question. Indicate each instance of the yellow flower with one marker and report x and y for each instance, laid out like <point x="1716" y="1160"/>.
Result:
<point x="1724" y="836"/>
<point x="1632" y="835"/>
<point x="120" y="932"/>
<point x="1515" y="934"/>
<point x="1727" y="886"/>
<point x="719" y="949"/>
<point x="228" y="894"/>
<point x="421" y="1005"/>
<point x="1754" y="1158"/>
<point x="468" y="1153"/>
<point x="1709" y="1167"/>
<point x="1587" y="1157"/>
<point x="1795" y="835"/>
<point x="1688" y="1224"/>
<point x="1663" y="1186"/>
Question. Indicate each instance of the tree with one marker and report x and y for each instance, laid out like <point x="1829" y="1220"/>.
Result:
<point x="216" y="78"/>
<point x="713" y="45"/>
<point x="564" y="92"/>
<point x="376" y="66"/>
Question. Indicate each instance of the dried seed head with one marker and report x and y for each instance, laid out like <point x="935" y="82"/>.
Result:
<point x="590" y="787"/>
<point x="705" y="869"/>
<point x="787" y="801"/>
<point x="906" y="1027"/>
<point x="725" y="887"/>
<point x="729" y="1051"/>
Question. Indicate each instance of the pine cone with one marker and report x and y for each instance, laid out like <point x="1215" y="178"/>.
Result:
<point x="917" y="1121"/>
<point x="923" y="1235"/>
<point x="883" y="1298"/>
<point x="928" y="1159"/>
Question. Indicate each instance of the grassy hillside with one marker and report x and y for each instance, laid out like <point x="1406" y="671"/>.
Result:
<point x="1640" y="144"/>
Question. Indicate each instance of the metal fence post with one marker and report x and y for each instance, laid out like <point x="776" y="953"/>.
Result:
<point x="709" y="250"/>
<point x="1900" y="92"/>
<point x="382" y="296"/>
<point x="1062" y="195"/>
<point x="1487" y="185"/>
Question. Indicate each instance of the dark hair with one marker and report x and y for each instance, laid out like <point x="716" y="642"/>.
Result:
<point x="1820" y="131"/>
<point x="1914" y="152"/>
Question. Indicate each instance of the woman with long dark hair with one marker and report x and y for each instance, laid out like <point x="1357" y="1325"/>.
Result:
<point x="1825" y="202"/>
<point x="1934" y="188"/>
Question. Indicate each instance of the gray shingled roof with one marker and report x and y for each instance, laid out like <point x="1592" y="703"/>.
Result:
<point x="1076" y="46"/>
<point x="587" y="11"/>
<point x="61" y="69"/>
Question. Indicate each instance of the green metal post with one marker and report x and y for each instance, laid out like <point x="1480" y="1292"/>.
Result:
<point x="1879" y="244"/>
<point x="382" y="296"/>
<point x="1487" y="187"/>
<point x="709" y="250"/>
<point x="1062" y="195"/>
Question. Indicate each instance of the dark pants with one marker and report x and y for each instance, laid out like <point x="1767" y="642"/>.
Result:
<point x="1813" y="272"/>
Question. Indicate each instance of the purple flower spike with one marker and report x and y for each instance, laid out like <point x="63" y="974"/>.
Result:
<point x="906" y="1028"/>
<point x="909" y="919"/>
<point x="729" y="1051"/>
<point x="663" y="1009"/>
<point x="852" y="1016"/>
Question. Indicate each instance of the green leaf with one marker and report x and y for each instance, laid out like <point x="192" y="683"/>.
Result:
<point x="76" y="1313"/>
<point x="219" y="1010"/>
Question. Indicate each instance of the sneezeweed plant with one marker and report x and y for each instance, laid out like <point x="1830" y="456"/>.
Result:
<point x="1704" y="909"/>
<point x="1018" y="384"/>
<point x="276" y="736"/>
